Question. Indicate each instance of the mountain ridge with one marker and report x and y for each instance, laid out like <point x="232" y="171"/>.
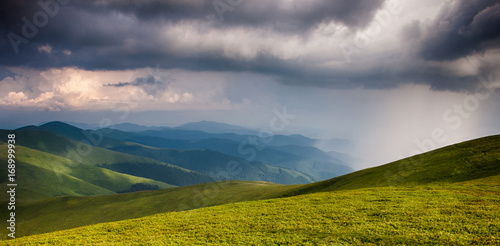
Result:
<point x="483" y="164"/>
<point x="86" y="154"/>
<point x="316" y="168"/>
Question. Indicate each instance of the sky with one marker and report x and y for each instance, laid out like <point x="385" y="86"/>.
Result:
<point x="396" y="78"/>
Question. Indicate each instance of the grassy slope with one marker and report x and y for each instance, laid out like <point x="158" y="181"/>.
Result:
<point x="68" y="212"/>
<point x="460" y="162"/>
<point x="463" y="213"/>
<point x="62" y="146"/>
<point x="465" y="161"/>
<point x="43" y="183"/>
<point x="42" y="175"/>
<point x="38" y="139"/>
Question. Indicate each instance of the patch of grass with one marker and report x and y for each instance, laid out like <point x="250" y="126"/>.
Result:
<point x="68" y="212"/>
<point x="464" y="213"/>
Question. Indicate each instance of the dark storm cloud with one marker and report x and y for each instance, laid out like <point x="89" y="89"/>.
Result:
<point x="96" y="32"/>
<point x="294" y="16"/>
<point x="148" y="80"/>
<point x="465" y="28"/>
<point x="382" y="76"/>
<point x="149" y="84"/>
<point x="463" y="31"/>
<point x="126" y="34"/>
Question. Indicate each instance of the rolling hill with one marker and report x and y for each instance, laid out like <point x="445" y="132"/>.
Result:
<point x="59" y="165"/>
<point x="43" y="175"/>
<point x="217" y="165"/>
<point x="465" y="161"/>
<point x="294" y="152"/>
<point x="293" y="144"/>
<point x="316" y="163"/>
<point x="59" y="213"/>
<point x="398" y="203"/>
<point x="84" y="153"/>
<point x="211" y="162"/>
<point x="463" y="213"/>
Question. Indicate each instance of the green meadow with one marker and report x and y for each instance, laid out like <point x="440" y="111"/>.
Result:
<point x="465" y="213"/>
<point x="447" y="196"/>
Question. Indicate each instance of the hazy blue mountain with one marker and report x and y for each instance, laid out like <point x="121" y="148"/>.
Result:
<point x="117" y="140"/>
<point x="277" y="140"/>
<point x="128" y="127"/>
<point x="84" y="126"/>
<point x="307" y="152"/>
<point x="309" y="160"/>
<point x="64" y="129"/>
<point x="42" y="139"/>
<point x="175" y="133"/>
<point x="295" y="151"/>
<point x="323" y="167"/>
<point x="294" y="144"/>
<point x="219" y="166"/>
<point x="216" y="127"/>
<point x="209" y="129"/>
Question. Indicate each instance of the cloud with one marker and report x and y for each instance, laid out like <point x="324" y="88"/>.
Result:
<point x="150" y="84"/>
<point x="45" y="48"/>
<point x="462" y="29"/>
<point x="149" y="80"/>
<point x="15" y="96"/>
<point x="77" y="89"/>
<point x="298" y="43"/>
<point x="279" y="15"/>
<point x="455" y="48"/>
<point x="130" y="34"/>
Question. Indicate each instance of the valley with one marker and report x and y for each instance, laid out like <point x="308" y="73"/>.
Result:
<point x="419" y="196"/>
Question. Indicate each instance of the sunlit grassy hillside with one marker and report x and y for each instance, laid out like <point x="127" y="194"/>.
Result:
<point x="449" y="196"/>
<point x="43" y="175"/>
<point x="465" y="213"/>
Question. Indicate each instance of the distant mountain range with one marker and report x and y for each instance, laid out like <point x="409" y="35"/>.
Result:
<point x="108" y="161"/>
<point x="216" y="127"/>
<point x="204" y="126"/>
<point x="294" y="152"/>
